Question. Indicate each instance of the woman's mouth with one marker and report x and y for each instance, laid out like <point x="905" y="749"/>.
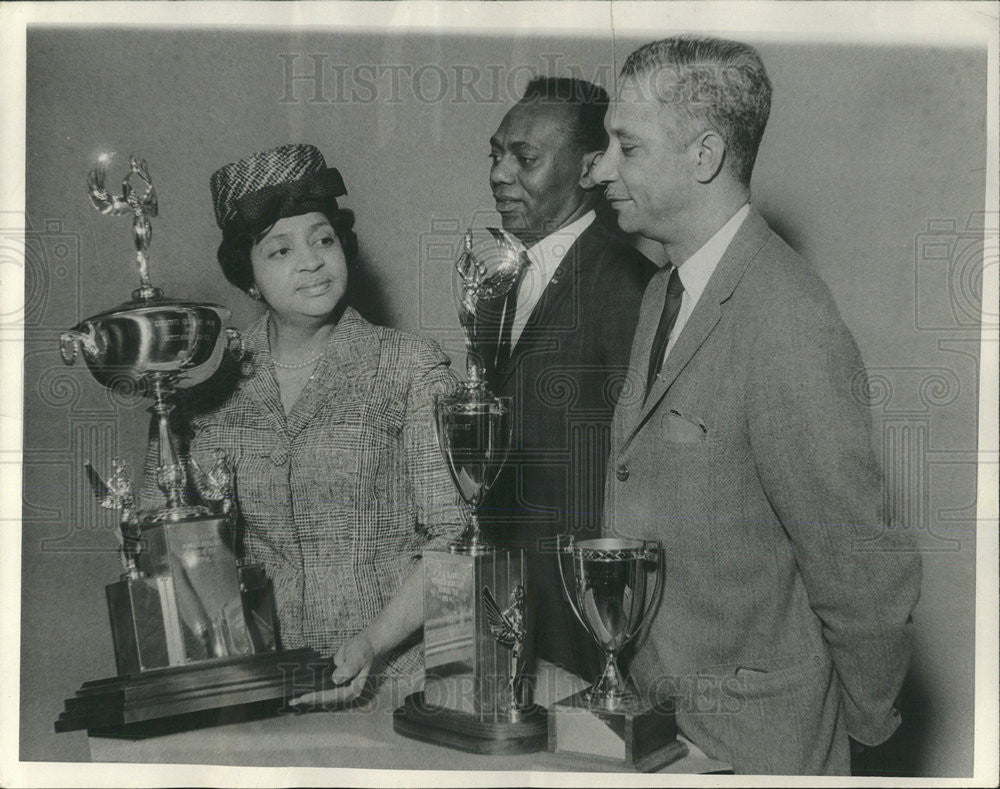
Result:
<point x="315" y="288"/>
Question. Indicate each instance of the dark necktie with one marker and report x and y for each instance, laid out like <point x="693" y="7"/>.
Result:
<point x="671" y="306"/>
<point x="509" y="311"/>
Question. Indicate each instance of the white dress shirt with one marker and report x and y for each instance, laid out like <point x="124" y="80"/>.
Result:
<point x="697" y="270"/>
<point x="545" y="257"/>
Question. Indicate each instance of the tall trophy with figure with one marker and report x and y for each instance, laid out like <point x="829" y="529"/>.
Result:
<point x="612" y="722"/>
<point x="193" y="629"/>
<point x="476" y="619"/>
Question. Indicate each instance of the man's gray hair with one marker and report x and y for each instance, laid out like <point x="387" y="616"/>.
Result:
<point x="710" y="83"/>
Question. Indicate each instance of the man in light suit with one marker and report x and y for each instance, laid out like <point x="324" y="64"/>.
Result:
<point x="559" y="345"/>
<point x="784" y="626"/>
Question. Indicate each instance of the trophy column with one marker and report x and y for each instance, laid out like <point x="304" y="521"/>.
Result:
<point x="475" y="697"/>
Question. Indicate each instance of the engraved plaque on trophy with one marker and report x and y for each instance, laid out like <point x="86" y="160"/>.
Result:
<point x="475" y="697"/>
<point x="610" y="722"/>
<point x="193" y="630"/>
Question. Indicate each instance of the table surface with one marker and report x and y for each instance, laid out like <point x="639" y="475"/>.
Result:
<point x="357" y="737"/>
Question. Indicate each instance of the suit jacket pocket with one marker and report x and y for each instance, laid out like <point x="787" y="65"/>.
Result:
<point x="679" y="428"/>
<point x="761" y="680"/>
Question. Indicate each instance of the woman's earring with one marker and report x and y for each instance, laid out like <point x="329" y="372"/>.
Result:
<point x="253" y="293"/>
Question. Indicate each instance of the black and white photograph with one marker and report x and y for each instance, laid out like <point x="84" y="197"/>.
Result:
<point x="481" y="393"/>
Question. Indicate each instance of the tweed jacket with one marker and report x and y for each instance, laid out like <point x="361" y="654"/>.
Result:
<point x="337" y="498"/>
<point x="784" y="623"/>
<point x="564" y="375"/>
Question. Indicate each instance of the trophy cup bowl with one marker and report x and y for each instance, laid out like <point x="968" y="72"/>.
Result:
<point x="608" y="596"/>
<point x="177" y="341"/>
<point x="474" y="431"/>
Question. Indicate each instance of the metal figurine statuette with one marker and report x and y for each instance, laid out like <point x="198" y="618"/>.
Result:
<point x="507" y="627"/>
<point x="193" y="630"/>
<point x="475" y="696"/>
<point x="142" y="208"/>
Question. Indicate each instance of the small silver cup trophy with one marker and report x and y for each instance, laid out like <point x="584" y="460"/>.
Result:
<point x="193" y="629"/>
<point x="608" y="589"/>
<point x="476" y="615"/>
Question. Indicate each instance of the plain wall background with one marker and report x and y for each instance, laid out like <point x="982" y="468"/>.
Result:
<point x="871" y="167"/>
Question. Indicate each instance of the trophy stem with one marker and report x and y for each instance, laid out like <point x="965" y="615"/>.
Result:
<point x="470" y="542"/>
<point x="612" y="690"/>
<point x="170" y="473"/>
<point x="474" y="367"/>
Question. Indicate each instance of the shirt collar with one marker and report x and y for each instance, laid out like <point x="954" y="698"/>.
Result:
<point x="548" y="253"/>
<point x="697" y="269"/>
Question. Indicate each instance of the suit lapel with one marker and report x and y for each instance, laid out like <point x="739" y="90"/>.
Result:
<point x="747" y="242"/>
<point x="697" y="329"/>
<point x="559" y="287"/>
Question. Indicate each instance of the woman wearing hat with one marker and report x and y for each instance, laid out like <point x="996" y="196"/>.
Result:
<point x="329" y="427"/>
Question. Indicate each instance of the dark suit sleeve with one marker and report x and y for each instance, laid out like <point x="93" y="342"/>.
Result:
<point x="811" y="440"/>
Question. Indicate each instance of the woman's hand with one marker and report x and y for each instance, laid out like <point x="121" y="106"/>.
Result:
<point x="353" y="661"/>
<point x="400" y="618"/>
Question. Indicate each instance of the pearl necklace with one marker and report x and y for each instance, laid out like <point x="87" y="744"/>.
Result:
<point x="298" y="366"/>
<point x="282" y="365"/>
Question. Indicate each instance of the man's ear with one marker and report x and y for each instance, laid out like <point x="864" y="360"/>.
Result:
<point x="587" y="163"/>
<point x="708" y="152"/>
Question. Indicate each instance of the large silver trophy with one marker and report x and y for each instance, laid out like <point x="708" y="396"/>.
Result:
<point x="476" y="617"/>
<point x="609" y="591"/>
<point x="193" y="629"/>
<point x="474" y="427"/>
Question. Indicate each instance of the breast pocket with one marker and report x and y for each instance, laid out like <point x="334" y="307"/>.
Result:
<point x="681" y="428"/>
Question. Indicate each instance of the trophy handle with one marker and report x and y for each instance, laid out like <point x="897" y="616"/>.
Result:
<point x="560" y="550"/>
<point x="69" y="347"/>
<point x="650" y="548"/>
<point x="72" y="340"/>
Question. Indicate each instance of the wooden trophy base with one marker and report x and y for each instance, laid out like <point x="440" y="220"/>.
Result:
<point x="467" y="732"/>
<point x="204" y="693"/>
<point x="642" y="738"/>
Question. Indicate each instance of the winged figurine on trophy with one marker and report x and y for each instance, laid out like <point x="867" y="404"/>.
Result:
<point x="508" y="628"/>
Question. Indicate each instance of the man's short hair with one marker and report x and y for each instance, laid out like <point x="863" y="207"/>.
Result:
<point x="711" y="83"/>
<point x="591" y="102"/>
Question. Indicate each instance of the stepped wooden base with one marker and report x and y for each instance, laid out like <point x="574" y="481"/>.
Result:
<point x="467" y="732"/>
<point x="640" y="738"/>
<point x="206" y="693"/>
